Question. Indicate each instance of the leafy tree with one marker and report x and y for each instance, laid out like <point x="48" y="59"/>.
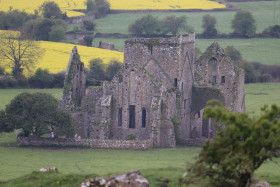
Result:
<point x="250" y="72"/>
<point x="174" y="24"/>
<point x="40" y="29"/>
<point x="89" y="25"/>
<point x="18" y="54"/>
<point x="14" y="19"/>
<point x="241" y="146"/>
<point x="57" y="33"/>
<point x="147" y="25"/>
<point x="90" y="4"/>
<point x="37" y="114"/>
<point x="243" y="24"/>
<point x="41" y="79"/>
<point x="272" y="31"/>
<point x="209" y="23"/>
<point x="97" y="7"/>
<point x="50" y="9"/>
<point x="88" y="40"/>
<point x="113" y="68"/>
<point x="97" y="69"/>
<point x="233" y="54"/>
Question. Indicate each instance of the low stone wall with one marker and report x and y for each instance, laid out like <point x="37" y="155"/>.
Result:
<point x="192" y="142"/>
<point x="94" y="143"/>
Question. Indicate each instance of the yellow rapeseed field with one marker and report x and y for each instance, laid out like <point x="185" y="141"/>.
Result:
<point x="70" y="6"/>
<point x="57" y="55"/>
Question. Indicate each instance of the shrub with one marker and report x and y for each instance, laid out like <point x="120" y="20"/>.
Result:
<point x="88" y="40"/>
<point x="243" y="24"/>
<point x="57" y="33"/>
<point x="209" y="23"/>
<point x="89" y="25"/>
<point x="241" y="146"/>
<point x="37" y="114"/>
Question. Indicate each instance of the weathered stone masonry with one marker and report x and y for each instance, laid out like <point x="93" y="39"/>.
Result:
<point x="159" y="94"/>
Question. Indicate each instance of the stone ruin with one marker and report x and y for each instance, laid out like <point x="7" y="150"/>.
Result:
<point x="159" y="94"/>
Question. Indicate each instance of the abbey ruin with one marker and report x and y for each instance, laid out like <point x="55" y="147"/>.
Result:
<point x="159" y="94"/>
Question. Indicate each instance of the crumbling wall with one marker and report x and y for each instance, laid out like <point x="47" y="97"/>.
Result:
<point x="104" y="45"/>
<point x="215" y="69"/>
<point x="74" y="83"/>
<point x="94" y="143"/>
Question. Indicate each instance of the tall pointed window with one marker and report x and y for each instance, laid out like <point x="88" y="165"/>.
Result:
<point x="120" y="117"/>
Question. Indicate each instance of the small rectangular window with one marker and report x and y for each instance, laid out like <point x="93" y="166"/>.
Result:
<point x="214" y="79"/>
<point x="223" y="79"/>
<point x="175" y="83"/>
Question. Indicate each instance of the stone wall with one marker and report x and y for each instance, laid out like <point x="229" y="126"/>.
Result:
<point x="79" y="19"/>
<point x="94" y="143"/>
<point x="104" y="45"/>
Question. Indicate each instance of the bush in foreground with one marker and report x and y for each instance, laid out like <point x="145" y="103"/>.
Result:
<point x="36" y="114"/>
<point x="241" y="146"/>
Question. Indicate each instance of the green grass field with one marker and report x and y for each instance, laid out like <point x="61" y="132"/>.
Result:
<point x="264" y="50"/>
<point x="266" y="13"/>
<point x="156" y="164"/>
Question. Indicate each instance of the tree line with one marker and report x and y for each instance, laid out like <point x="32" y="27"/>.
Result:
<point x="243" y="25"/>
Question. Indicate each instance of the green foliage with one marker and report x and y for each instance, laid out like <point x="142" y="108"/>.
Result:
<point x="151" y="25"/>
<point x="99" y="72"/>
<point x="89" y="25"/>
<point x="113" y="68"/>
<point x="173" y="24"/>
<point x="50" y="9"/>
<point x="233" y="54"/>
<point x="243" y="24"/>
<point x="272" y="31"/>
<point x="37" y="114"/>
<point x="88" y="40"/>
<point x="14" y="19"/>
<point x="241" y="146"/>
<point x="40" y="29"/>
<point x="41" y="79"/>
<point x="97" y="7"/>
<point x="130" y="137"/>
<point x="57" y="33"/>
<point x="209" y="23"/>
<point x="3" y="122"/>
<point x="147" y="25"/>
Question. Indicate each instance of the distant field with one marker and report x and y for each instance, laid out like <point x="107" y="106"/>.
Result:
<point x="260" y="94"/>
<point x="70" y="6"/>
<point x="264" y="50"/>
<point x="266" y="13"/>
